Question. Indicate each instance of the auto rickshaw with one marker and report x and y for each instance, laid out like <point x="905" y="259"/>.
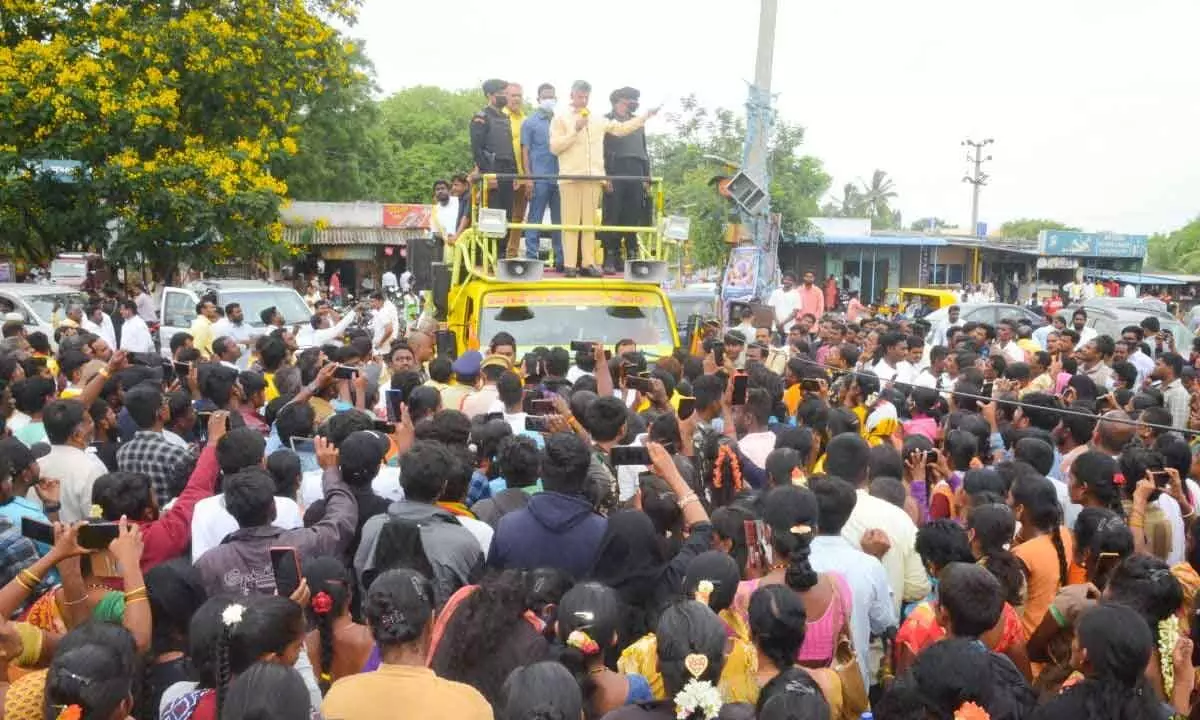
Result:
<point x="907" y="299"/>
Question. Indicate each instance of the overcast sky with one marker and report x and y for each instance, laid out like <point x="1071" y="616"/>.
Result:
<point x="1094" y="104"/>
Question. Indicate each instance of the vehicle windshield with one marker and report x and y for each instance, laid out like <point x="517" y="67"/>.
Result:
<point x="253" y="302"/>
<point x="68" y="268"/>
<point x="544" y="319"/>
<point x="43" y="305"/>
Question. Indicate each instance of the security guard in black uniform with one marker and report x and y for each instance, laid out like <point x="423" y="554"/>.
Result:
<point x="626" y="203"/>
<point x="492" y="146"/>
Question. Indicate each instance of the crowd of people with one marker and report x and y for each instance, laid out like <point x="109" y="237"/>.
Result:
<point x="799" y="517"/>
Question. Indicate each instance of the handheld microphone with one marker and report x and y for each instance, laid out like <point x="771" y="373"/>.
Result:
<point x="584" y="112"/>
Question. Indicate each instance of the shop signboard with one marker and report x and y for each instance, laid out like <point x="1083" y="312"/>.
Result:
<point x="1081" y="244"/>
<point x="1057" y="263"/>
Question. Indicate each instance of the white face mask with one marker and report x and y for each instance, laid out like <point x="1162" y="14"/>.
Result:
<point x="547" y="104"/>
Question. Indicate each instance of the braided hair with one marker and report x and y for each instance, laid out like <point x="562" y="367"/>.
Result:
<point x="330" y="583"/>
<point x="1037" y="495"/>
<point x="250" y="628"/>
<point x="791" y="512"/>
<point x="993" y="526"/>
<point x="589" y="616"/>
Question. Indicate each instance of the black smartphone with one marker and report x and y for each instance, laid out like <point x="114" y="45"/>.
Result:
<point x="285" y="563"/>
<point x="97" y="535"/>
<point x="986" y="390"/>
<point x="493" y="416"/>
<point x="345" y="372"/>
<point x="1161" y="478"/>
<point x="718" y="351"/>
<point x="687" y="406"/>
<point x="741" y="382"/>
<point x="37" y="530"/>
<point x="541" y="406"/>
<point x="632" y="455"/>
<point x="536" y="423"/>
<point x="395" y="398"/>
<point x="582" y="346"/>
<point x="182" y="369"/>
<point x="641" y="384"/>
<point x="384" y="427"/>
<point x="810" y="384"/>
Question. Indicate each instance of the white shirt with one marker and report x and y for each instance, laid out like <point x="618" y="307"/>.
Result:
<point x="905" y="571"/>
<point x="386" y="316"/>
<point x="575" y="373"/>
<point x="925" y="379"/>
<point x="389" y="280"/>
<point x="241" y="332"/>
<point x="145" y="307"/>
<point x="757" y="446"/>
<point x="386" y="485"/>
<point x="902" y="373"/>
<point x="447" y="215"/>
<point x="135" y="336"/>
<point x="174" y="438"/>
<point x="1086" y="335"/>
<point x="1130" y="292"/>
<point x="482" y="531"/>
<point x="77" y="470"/>
<point x="784" y="303"/>
<point x="211" y="522"/>
<point x="1012" y="351"/>
<point x="324" y="336"/>
<point x="1144" y="365"/>
<point x="873" y="608"/>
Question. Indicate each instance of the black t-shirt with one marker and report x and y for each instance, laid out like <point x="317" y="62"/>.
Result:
<point x="159" y="677"/>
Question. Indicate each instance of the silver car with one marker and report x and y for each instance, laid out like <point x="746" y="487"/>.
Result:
<point x="40" y="305"/>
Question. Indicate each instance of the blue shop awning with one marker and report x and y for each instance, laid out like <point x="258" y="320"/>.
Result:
<point x="1132" y="278"/>
<point x="888" y="240"/>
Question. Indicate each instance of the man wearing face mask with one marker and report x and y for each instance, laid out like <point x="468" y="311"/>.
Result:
<point x="535" y="147"/>
<point x="492" y="146"/>
<point x="624" y="200"/>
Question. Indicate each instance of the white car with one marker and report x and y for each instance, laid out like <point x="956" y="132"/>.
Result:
<point x="35" y="302"/>
<point x="178" y="307"/>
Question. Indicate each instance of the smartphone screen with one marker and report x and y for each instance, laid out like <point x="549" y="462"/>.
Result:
<point x="535" y="423"/>
<point x="635" y="455"/>
<point x="687" y="406"/>
<point x="741" y="383"/>
<point x="181" y="369"/>
<point x="395" y="398"/>
<point x="97" y="536"/>
<point x="285" y="563"/>
<point x="37" y="530"/>
<point x="345" y="372"/>
<point x="307" y="452"/>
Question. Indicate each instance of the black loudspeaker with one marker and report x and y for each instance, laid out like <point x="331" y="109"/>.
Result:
<point x="649" y="271"/>
<point x="422" y="254"/>
<point x="440" y="282"/>
<point x="519" y="270"/>
<point x="447" y="344"/>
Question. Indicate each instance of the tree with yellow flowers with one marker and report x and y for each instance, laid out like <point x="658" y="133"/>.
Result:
<point x="174" y="112"/>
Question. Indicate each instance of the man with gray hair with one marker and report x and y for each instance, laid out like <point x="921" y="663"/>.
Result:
<point x="577" y="138"/>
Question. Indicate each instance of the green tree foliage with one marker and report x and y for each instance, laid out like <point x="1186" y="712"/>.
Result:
<point x="425" y="131"/>
<point x="690" y="151"/>
<point x="343" y="154"/>
<point x="176" y="112"/>
<point x="876" y="198"/>
<point x="927" y="223"/>
<point x="1028" y="228"/>
<point x="1178" y="251"/>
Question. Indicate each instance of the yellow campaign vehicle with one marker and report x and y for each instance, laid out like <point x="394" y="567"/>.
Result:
<point x="477" y="294"/>
<point x="933" y="298"/>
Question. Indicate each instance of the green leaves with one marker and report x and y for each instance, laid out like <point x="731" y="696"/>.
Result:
<point x="1178" y="251"/>
<point x="1029" y="228"/>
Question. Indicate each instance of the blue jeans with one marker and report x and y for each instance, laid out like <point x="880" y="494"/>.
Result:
<point x="544" y="193"/>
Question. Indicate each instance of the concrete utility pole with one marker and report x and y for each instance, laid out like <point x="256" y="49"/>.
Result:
<point x="978" y="178"/>
<point x="760" y="118"/>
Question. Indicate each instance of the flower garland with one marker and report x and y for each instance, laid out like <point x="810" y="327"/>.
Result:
<point x="698" y="695"/>
<point x="726" y="456"/>
<point x="1168" y="636"/>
